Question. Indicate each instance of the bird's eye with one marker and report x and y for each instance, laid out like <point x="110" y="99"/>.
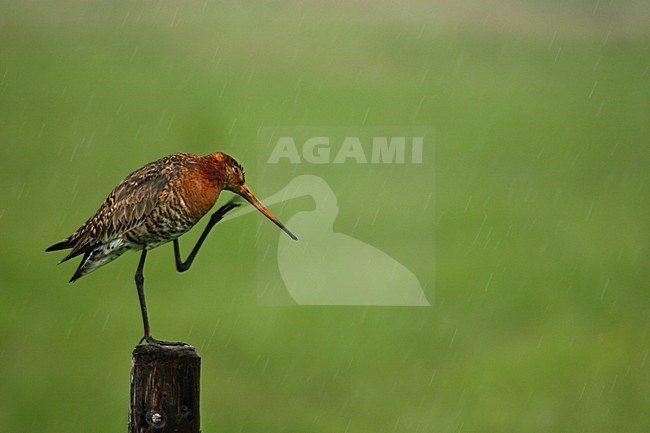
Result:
<point x="235" y="170"/>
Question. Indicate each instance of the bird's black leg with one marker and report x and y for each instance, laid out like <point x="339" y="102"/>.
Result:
<point x="139" y="282"/>
<point x="182" y="266"/>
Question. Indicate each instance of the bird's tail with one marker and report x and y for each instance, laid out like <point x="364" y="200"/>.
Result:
<point x="81" y="269"/>
<point x="98" y="256"/>
<point x="63" y="245"/>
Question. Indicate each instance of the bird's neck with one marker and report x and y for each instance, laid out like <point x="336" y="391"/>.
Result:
<point x="212" y="171"/>
<point x="203" y="186"/>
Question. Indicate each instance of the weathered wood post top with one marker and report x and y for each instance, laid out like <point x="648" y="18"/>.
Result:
<point x="164" y="389"/>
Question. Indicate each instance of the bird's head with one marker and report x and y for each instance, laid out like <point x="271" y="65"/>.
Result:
<point x="235" y="181"/>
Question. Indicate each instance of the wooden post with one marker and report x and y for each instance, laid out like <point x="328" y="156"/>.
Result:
<point x="164" y="390"/>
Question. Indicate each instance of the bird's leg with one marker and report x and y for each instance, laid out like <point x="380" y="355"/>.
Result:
<point x="139" y="282"/>
<point x="182" y="266"/>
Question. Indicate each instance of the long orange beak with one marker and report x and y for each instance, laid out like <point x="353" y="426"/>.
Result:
<point x="250" y="197"/>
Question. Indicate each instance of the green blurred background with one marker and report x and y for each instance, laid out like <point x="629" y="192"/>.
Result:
<point x="541" y="315"/>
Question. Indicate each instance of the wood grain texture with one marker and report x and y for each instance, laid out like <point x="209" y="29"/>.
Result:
<point x="165" y="383"/>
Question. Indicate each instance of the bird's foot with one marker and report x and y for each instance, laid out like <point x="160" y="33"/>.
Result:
<point x="223" y="210"/>
<point x="150" y="340"/>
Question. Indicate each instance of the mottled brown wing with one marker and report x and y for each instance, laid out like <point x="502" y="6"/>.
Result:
<point x="127" y="206"/>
